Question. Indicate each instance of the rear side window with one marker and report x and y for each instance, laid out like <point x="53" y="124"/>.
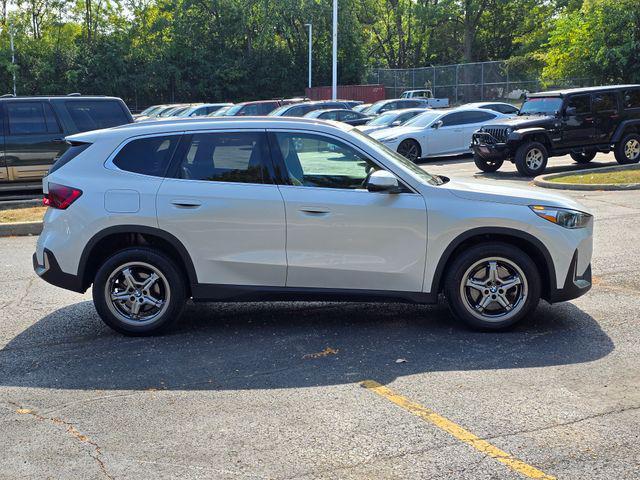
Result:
<point x="605" y="102"/>
<point x="267" y="108"/>
<point x="31" y="118"/>
<point x="632" y="98"/>
<point x="147" y="156"/>
<point x="72" y="152"/>
<point x="95" y="114"/>
<point x="225" y="157"/>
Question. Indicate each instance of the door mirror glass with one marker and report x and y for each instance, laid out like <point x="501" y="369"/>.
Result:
<point x="383" y="181"/>
<point x="396" y="123"/>
<point x="437" y="124"/>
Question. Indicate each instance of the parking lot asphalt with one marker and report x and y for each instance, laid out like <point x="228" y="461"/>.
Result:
<point x="275" y="391"/>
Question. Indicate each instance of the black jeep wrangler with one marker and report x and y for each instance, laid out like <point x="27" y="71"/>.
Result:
<point x="579" y="121"/>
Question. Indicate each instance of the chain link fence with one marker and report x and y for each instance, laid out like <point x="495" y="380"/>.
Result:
<point x="465" y="82"/>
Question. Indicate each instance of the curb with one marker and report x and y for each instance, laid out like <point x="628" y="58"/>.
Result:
<point x="543" y="180"/>
<point x="20" y="229"/>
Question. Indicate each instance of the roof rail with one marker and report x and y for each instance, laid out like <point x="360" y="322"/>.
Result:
<point x="74" y="94"/>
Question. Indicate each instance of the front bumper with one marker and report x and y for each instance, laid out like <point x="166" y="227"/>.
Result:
<point x="574" y="286"/>
<point x="51" y="272"/>
<point x="486" y="146"/>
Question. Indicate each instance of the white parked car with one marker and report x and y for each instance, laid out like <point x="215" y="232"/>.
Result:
<point x="247" y="208"/>
<point x="436" y="132"/>
<point x="392" y="118"/>
<point x="501" y="107"/>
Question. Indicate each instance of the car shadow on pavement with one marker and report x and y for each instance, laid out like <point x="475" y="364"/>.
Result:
<point x="286" y="345"/>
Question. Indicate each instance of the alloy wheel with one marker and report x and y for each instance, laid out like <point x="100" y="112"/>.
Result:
<point x="408" y="150"/>
<point x="137" y="293"/>
<point x="494" y="289"/>
<point x="534" y="159"/>
<point x="632" y="149"/>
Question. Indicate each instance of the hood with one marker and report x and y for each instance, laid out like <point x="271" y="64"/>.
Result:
<point x="394" y="132"/>
<point x="486" y="192"/>
<point x="370" y="128"/>
<point x="522" y="121"/>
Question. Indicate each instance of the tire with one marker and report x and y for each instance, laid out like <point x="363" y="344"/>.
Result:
<point x="475" y="264"/>
<point x="169" y="288"/>
<point x="410" y="149"/>
<point x="531" y="159"/>
<point x="627" y="150"/>
<point x="487" y="165"/>
<point x="583" y="157"/>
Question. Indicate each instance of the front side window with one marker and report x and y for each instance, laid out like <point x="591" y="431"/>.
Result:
<point x="94" y="115"/>
<point x="31" y="118"/>
<point x="605" y="102"/>
<point x="582" y="104"/>
<point x="453" y="119"/>
<point x="225" y="157"/>
<point x="317" y="161"/>
<point x="147" y="156"/>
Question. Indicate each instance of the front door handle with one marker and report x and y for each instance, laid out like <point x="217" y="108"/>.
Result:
<point x="315" y="211"/>
<point x="186" y="204"/>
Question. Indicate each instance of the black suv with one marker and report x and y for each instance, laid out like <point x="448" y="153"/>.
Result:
<point x="579" y="121"/>
<point x="33" y="131"/>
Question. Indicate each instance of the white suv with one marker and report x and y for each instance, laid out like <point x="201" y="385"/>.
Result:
<point x="246" y="209"/>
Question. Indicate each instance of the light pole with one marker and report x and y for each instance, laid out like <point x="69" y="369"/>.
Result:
<point x="310" y="48"/>
<point x="13" y="57"/>
<point x="334" y="76"/>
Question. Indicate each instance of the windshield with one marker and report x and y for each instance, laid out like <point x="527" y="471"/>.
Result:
<point x="233" y="110"/>
<point x="375" y="107"/>
<point x="279" y="111"/>
<point x="541" y="106"/>
<point x="423" y="119"/>
<point x="150" y="110"/>
<point x="219" y="113"/>
<point x="384" y="119"/>
<point x="404" y="163"/>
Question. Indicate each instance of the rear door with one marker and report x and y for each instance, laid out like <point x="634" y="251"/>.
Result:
<point x="221" y="202"/>
<point x="33" y="139"/>
<point x="606" y="114"/>
<point x="4" y="175"/>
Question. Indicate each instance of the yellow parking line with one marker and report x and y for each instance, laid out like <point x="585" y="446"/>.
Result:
<point x="456" y="430"/>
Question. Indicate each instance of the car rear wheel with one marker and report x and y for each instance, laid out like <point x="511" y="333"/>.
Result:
<point x="138" y="291"/>
<point x="583" y="157"/>
<point x="628" y="149"/>
<point x="487" y="165"/>
<point x="410" y="149"/>
<point x="492" y="286"/>
<point x="531" y="159"/>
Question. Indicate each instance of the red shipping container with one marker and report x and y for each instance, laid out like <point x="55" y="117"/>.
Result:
<point x="364" y="93"/>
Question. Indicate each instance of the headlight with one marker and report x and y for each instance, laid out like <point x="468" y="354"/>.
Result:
<point x="388" y="140"/>
<point x="564" y="217"/>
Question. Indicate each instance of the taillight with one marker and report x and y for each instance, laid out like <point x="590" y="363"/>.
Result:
<point x="60" y="196"/>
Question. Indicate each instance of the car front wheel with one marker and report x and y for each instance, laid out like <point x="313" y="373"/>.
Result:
<point x="410" y="149"/>
<point x="531" y="159"/>
<point x="492" y="286"/>
<point x="139" y="291"/>
<point x="487" y="165"/>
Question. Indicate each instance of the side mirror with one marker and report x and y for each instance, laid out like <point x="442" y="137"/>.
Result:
<point x="383" y="181"/>
<point x="570" y="111"/>
<point x="396" y="123"/>
<point x="437" y="124"/>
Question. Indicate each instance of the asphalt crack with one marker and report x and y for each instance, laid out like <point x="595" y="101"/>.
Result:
<point x="96" y="454"/>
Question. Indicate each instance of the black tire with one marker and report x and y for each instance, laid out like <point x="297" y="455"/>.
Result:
<point x="410" y="149"/>
<point x="169" y="289"/>
<point x="527" y="161"/>
<point x="496" y="317"/>
<point x="583" y="157"/>
<point x="626" y="150"/>
<point x="487" y="165"/>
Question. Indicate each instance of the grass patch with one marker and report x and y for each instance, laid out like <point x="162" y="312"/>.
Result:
<point x="30" y="214"/>
<point x="596" y="178"/>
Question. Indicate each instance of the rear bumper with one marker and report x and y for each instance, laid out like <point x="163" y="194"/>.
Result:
<point x="51" y="272"/>
<point x="574" y="286"/>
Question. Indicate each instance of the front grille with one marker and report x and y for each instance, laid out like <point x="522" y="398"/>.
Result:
<point x="498" y="133"/>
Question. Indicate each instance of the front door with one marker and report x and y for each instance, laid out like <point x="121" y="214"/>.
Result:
<point x="33" y="139"/>
<point x="340" y="235"/>
<point x="578" y="126"/>
<point x="222" y="204"/>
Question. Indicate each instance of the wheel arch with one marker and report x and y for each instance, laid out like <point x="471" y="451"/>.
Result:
<point x="539" y="135"/>
<point x="626" y="127"/>
<point x="110" y="240"/>
<point x="519" y="239"/>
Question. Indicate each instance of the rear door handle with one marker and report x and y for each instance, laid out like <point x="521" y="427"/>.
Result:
<point x="315" y="211"/>
<point x="186" y="203"/>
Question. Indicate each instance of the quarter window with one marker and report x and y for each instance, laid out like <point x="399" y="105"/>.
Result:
<point x="317" y="161"/>
<point x="147" y="156"/>
<point x="31" y="118"/>
<point x="93" y="115"/>
<point x="225" y="157"/>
